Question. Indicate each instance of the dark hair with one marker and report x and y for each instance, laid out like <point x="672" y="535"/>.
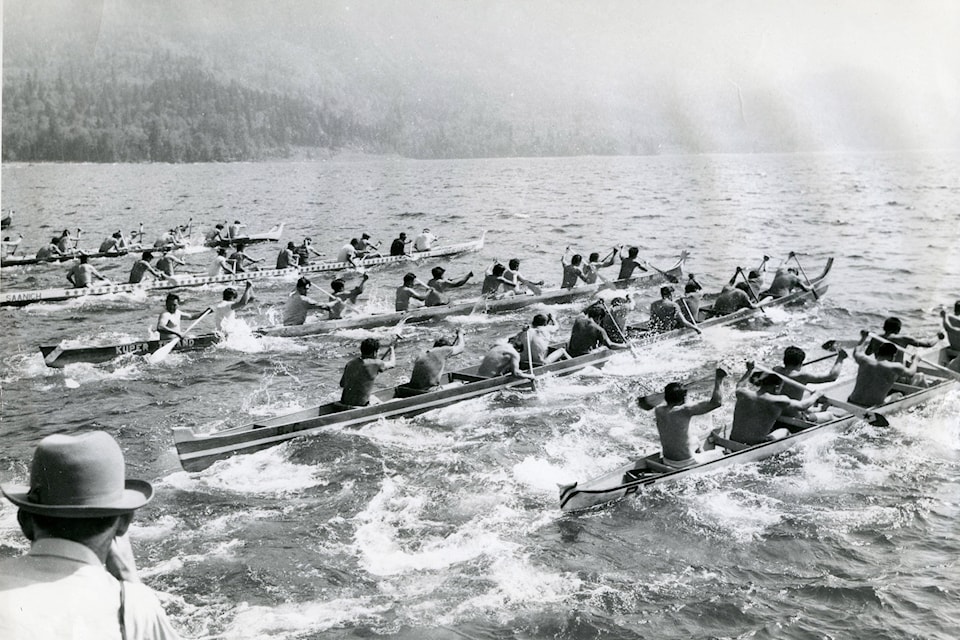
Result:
<point x="743" y="286"/>
<point x="438" y="272"/>
<point x="576" y="259"/>
<point x="369" y="347"/>
<point x="229" y="293"/>
<point x="633" y="251"/>
<point x="956" y="308"/>
<point x="514" y="263"/>
<point x="75" y="529"/>
<point x="290" y="245"/>
<point x="691" y="287"/>
<point x="83" y="258"/>
<point x="887" y="350"/>
<point x="337" y="285"/>
<point x="409" y="279"/>
<point x="770" y="380"/>
<point x="498" y="269"/>
<point x="594" y="312"/>
<point x="443" y="342"/>
<point x="403" y="235"/>
<point x="147" y="255"/>
<point x="173" y="296"/>
<point x="594" y="256"/>
<point x="892" y="325"/>
<point x="540" y="320"/>
<point x="793" y="356"/>
<point x="666" y="292"/>
<point x="753" y="274"/>
<point x="674" y="393"/>
<point x="303" y="283"/>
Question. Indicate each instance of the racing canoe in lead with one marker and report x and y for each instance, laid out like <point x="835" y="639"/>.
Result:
<point x="20" y="298"/>
<point x="490" y="305"/>
<point x="632" y="478"/>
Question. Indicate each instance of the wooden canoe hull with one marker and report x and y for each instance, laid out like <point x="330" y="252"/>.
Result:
<point x="273" y="235"/>
<point x="632" y="478"/>
<point x="197" y="452"/>
<point x="20" y="298"/>
<point x="57" y="356"/>
<point x="496" y="305"/>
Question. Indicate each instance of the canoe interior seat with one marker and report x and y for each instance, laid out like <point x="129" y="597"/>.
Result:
<point x="730" y="445"/>
<point x="467" y="375"/>
<point x="655" y="465"/>
<point x="794" y="424"/>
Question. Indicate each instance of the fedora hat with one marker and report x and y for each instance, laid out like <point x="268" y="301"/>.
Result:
<point x="80" y="476"/>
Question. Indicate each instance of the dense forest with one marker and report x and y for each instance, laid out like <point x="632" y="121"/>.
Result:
<point x="165" y="108"/>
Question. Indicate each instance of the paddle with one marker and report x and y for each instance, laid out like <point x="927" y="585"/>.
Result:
<point x="871" y="417"/>
<point x="950" y="373"/>
<point x="668" y="276"/>
<point x="616" y="325"/>
<point x="165" y="350"/>
<point x="813" y="289"/>
<point x="533" y="378"/>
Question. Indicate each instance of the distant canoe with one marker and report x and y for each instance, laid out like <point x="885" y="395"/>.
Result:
<point x="20" y="298"/>
<point x="273" y="235"/>
<point x="19" y="261"/>
<point x="57" y="356"/>
<point x="6" y="220"/>
<point x="481" y="305"/>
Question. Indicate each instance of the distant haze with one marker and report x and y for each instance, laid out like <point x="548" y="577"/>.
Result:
<point x="677" y="75"/>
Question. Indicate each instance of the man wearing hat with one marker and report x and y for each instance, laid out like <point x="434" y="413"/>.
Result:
<point x="439" y="285"/>
<point x="298" y="305"/>
<point x="78" y="580"/>
<point x="673" y="420"/>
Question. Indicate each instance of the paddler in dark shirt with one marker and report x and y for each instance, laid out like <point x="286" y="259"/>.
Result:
<point x="360" y="373"/>
<point x="428" y="367"/>
<point x="399" y="246"/>
<point x="757" y="411"/>
<point x="673" y="420"/>
<point x="439" y="286"/>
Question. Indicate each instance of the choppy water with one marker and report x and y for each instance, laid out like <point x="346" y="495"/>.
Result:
<point x="447" y="525"/>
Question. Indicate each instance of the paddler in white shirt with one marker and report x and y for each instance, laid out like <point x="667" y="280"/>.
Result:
<point x="168" y="324"/>
<point x="224" y="312"/>
<point x="221" y="265"/>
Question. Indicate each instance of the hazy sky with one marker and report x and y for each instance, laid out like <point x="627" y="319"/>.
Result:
<point x="821" y="73"/>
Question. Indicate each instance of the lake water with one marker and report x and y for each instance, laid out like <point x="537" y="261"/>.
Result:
<point x="447" y="525"/>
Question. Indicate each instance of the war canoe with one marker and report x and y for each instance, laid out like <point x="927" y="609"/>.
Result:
<point x="58" y="356"/>
<point x="414" y="256"/>
<point x="492" y="305"/>
<point x="639" y="334"/>
<point x="199" y="451"/>
<point x="272" y="235"/>
<point x="634" y="477"/>
<point x="19" y="261"/>
<point x="59" y="294"/>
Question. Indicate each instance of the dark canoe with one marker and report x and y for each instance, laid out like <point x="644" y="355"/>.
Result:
<point x="6" y="220"/>
<point x="57" y="356"/>
<point x="414" y="256"/>
<point x="199" y="451"/>
<point x="273" y="235"/>
<point x="59" y="294"/>
<point x="632" y="478"/>
<point x="640" y="335"/>
<point x="480" y="305"/>
<point x="17" y="261"/>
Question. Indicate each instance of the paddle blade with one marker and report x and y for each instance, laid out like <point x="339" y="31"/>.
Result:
<point x="647" y="403"/>
<point x="876" y="420"/>
<point x="162" y="352"/>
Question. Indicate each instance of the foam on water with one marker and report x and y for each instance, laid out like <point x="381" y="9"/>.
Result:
<point x="301" y="618"/>
<point x="263" y="472"/>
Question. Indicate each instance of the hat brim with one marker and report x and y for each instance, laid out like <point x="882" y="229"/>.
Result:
<point x="137" y="494"/>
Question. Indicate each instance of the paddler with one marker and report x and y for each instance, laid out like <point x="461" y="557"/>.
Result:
<point x="572" y="271"/>
<point x="673" y="420"/>
<point x="951" y="325"/>
<point x="406" y="292"/>
<point x="168" y="323"/>
<point x="785" y="281"/>
<point x="298" y="305"/>
<point x="587" y="334"/>
<point x="66" y="243"/>
<point x="305" y="252"/>
<point x="399" y="245"/>
<point x="493" y="279"/>
<point x="360" y="373"/>
<point x="501" y="359"/>
<point x="538" y="336"/>
<point x="241" y="260"/>
<point x="367" y="248"/>
<point x="215" y="236"/>
<point x="341" y="296"/>
<point x="288" y="257"/>
<point x="629" y="263"/>
<point x="424" y="241"/>
<point x="166" y="262"/>
<point x="757" y="410"/>
<point x="428" y="367"/>
<point x="793" y="358"/>
<point x="891" y="333"/>
<point x="439" y="285"/>
<point x="731" y="299"/>
<point x="517" y="280"/>
<point x="114" y="244"/>
<point x="224" y="312"/>
<point x="591" y="270"/>
<point x="82" y="274"/>
<point x="221" y="265"/>
<point x="690" y="302"/>
<point x="51" y="250"/>
<point x="877" y="373"/>
<point x="233" y="231"/>
<point x="142" y="267"/>
<point x="665" y="314"/>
